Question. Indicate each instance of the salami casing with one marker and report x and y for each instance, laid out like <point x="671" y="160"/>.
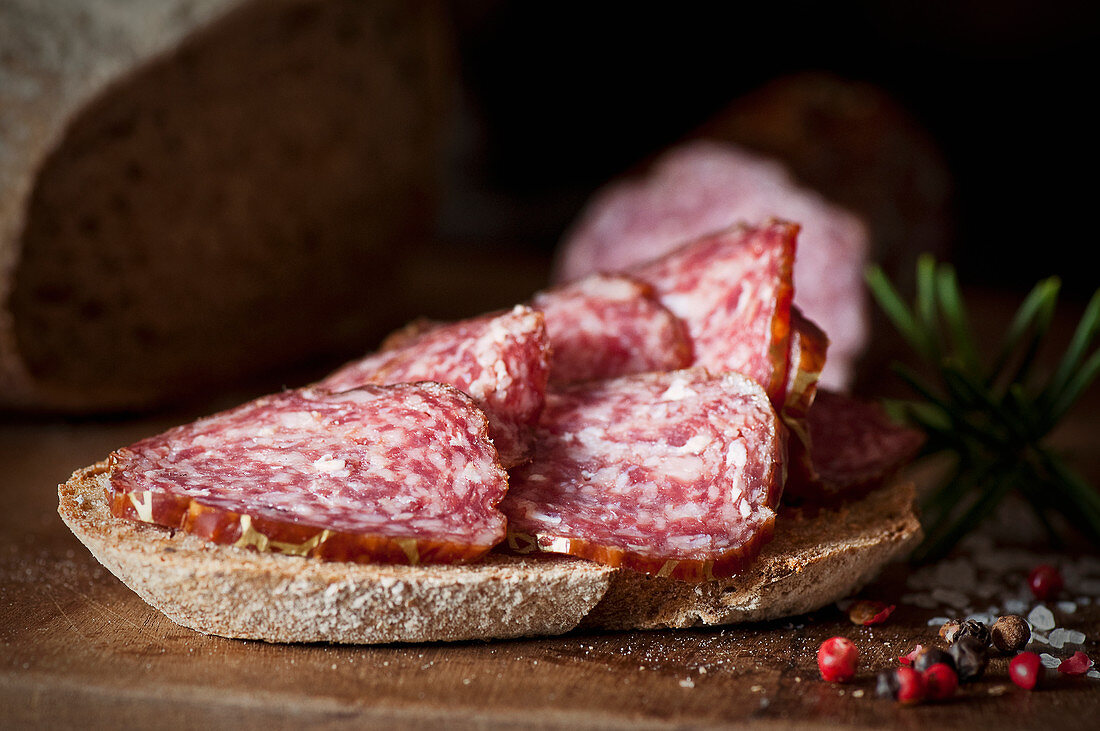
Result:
<point x="501" y="360"/>
<point x="604" y="326"/>
<point x="733" y="291"/>
<point x="394" y="474"/>
<point x="672" y="474"/>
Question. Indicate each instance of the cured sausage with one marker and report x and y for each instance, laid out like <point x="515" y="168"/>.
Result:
<point x="672" y="474"/>
<point x="854" y="447"/>
<point x="604" y="326"/>
<point x="395" y="474"/>
<point x="704" y="186"/>
<point x="501" y="360"/>
<point x="733" y="291"/>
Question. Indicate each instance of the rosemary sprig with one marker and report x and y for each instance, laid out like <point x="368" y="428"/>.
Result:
<point x="993" y="420"/>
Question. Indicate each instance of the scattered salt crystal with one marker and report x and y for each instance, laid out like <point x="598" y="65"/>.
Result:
<point x="983" y="618"/>
<point x="1040" y="638"/>
<point x="1067" y="607"/>
<point x="857" y="693"/>
<point x="1048" y="660"/>
<point x="1073" y="637"/>
<point x="1015" y="606"/>
<point x="1058" y="638"/>
<point x="938" y="621"/>
<point x="951" y="597"/>
<point x="687" y="683"/>
<point x="1084" y="601"/>
<point x="1093" y="673"/>
<point x="1041" y="618"/>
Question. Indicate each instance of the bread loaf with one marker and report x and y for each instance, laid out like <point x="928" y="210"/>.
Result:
<point x="192" y="191"/>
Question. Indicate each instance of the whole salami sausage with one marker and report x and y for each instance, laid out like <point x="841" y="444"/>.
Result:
<point x="733" y="291"/>
<point x="604" y="326"/>
<point x="501" y="360"/>
<point x="672" y="474"/>
<point x="394" y="474"/>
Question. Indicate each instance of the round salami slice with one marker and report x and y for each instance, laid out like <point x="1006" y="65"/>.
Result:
<point x="705" y="186"/>
<point x="672" y="474"/>
<point x="604" y="326"/>
<point x="394" y="474"/>
<point x="502" y="360"/>
<point x="854" y="448"/>
<point x="733" y="291"/>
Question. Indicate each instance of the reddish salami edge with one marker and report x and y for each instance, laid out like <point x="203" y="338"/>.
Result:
<point x="733" y="291"/>
<point x="502" y="360"/>
<point x="855" y="447"/>
<point x="389" y="474"/>
<point x="604" y="326"/>
<point x="671" y="474"/>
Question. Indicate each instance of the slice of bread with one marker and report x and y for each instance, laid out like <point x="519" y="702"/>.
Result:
<point x="815" y="558"/>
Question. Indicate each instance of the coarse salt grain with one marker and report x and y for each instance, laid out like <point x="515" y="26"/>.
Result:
<point x="1048" y="660"/>
<point x="1041" y="618"/>
<point x="1067" y="607"/>
<point x="938" y="621"/>
<point x="1015" y="606"/>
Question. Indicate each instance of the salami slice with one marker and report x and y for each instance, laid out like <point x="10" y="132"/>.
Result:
<point x="502" y="360"/>
<point x="604" y="326"/>
<point x="672" y="474"/>
<point x="809" y="347"/>
<point x="733" y="291"/>
<point x="854" y="448"/>
<point x="394" y="474"/>
<point x="705" y="186"/>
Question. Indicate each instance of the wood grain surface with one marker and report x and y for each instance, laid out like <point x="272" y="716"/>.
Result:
<point x="79" y="649"/>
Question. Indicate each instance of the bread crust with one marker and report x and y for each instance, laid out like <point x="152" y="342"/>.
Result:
<point x="815" y="559"/>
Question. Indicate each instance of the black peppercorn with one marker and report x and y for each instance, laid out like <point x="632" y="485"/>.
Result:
<point x="970" y="658"/>
<point x="929" y="656"/>
<point x="955" y="630"/>
<point x="887" y="685"/>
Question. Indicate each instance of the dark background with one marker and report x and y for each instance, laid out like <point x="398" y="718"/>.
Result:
<point x="563" y="96"/>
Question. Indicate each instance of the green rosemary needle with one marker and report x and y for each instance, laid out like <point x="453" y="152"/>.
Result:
<point x="993" y="420"/>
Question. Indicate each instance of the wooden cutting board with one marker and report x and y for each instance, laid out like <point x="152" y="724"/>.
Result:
<point x="80" y="649"/>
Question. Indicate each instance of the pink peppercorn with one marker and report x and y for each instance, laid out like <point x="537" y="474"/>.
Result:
<point x="837" y="659"/>
<point x="1025" y="670"/>
<point x="1045" y="582"/>
<point x="940" y="682"/>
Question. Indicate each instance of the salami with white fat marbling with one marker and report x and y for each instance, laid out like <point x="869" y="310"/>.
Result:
<point x="604" y="326"/>
<point x="672" y="474"/>
<point x="733" y="291"/>
<point x="501" y="360"/>
<point x="395" y="474"/>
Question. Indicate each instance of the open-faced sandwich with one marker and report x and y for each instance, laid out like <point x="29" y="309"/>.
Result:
<point x="644" y="448"/>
